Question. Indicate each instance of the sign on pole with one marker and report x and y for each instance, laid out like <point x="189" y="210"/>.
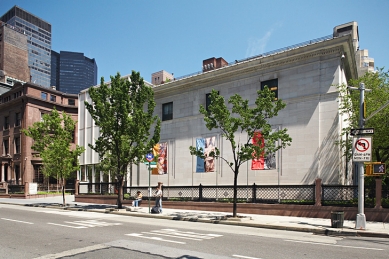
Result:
<point x="364" y="131"/>
<point x="362" y="147"/>
<point x="150" y="157"/>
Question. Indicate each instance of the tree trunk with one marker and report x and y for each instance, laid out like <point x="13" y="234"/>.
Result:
<point x="63" y="192"/>
<point x="120" y="186"/>
<point x="235" y="192"/>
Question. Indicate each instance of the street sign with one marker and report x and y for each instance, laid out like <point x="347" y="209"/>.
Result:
<point x="151" y="164"/>
<point x="362" y="147"/>
<point x="150" y="157"/>
<point x="366" y="131"/>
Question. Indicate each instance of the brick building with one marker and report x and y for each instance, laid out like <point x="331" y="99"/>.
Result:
<point x="20" y="107"/>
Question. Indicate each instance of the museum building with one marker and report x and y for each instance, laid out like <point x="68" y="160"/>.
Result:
<point x="305" y="76"/>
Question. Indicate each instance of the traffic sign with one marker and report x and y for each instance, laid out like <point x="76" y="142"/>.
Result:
<point x="366" y="131"/>
<point x="362" y="147"/>
<point x="150" y="157"/>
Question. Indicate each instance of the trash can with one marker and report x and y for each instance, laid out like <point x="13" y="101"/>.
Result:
<point x="337" y="218"/>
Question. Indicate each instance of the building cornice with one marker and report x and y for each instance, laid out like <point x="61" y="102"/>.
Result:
<point x="332" y="47"/>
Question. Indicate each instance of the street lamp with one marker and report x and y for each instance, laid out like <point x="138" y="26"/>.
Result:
<point x="360" y="222"/>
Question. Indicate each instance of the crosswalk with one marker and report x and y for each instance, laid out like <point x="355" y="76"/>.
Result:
<point x="173" y="236"/>
<point x="85" y="224"/>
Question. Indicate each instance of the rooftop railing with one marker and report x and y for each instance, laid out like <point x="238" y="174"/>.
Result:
<point x="269" y="53"/>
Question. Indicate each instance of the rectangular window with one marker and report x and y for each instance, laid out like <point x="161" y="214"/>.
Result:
<point x="208" y="101"/>
<point x="44" y="95"/>
<point x="71" y="102"/>
<point x="167" y="111"/>
<point x="5" y="147"/>
<point x="6" y="122"/>
<point x="17" y="145"/>
<point x="272" y="85"/>
<point x="17" y="119"/>
<point x="53" y="98"/>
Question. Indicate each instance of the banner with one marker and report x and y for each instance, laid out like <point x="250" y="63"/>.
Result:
<point x="160" y="152"/>
<point x="258" y="163"/>
<point x="208" y="146"/>
<point x="262" y="162"/>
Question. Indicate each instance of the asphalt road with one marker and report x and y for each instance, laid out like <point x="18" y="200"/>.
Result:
<point x="33" y="232"/>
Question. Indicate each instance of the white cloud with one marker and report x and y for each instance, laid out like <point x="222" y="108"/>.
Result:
<point x="257" y="46"/>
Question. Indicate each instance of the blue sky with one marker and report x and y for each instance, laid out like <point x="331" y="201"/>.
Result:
<point x="176" y="35"/>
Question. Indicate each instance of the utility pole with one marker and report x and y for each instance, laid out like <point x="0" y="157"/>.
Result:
<point x="360" y="222"/>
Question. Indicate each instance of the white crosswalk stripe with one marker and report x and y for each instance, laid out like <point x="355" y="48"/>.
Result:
<point x="173" y="233"/>
<point x="85" y="224"/>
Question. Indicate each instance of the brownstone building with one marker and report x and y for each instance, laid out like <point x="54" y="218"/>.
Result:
<point x="20" y="107"/>
<point x="13" y="55"/>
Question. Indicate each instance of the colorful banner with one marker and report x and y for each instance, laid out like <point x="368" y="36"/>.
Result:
<point x="160" y="152"/>
<point x="262" y="162"/>
<point x="258" y="163"/>
<point x="208" y="146"/>
<point x="200" y="144"/>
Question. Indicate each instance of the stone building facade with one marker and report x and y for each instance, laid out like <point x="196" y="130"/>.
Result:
<point x="20" y="108"/>
<point x="305" y="76"/>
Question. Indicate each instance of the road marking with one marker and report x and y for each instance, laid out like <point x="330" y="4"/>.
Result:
<point x="314" y="243"/>
<point x="155" y="238"/>
<point x="188" y="234"/>
<point x="86" y="224"/>
<point x="71" y="252"/>
<point x="173" y="233"/>
<point x="168" y="235"/>
<point x="93" y="223"/>
<point x="19" y="221"/>
<point x="61" y="225"/>
<point x="246" y="257"/>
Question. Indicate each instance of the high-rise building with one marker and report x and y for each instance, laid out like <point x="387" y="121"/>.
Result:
<point x="38" y="34"/>
<point x="13" y="55"/>
<point x="72" y="72"/>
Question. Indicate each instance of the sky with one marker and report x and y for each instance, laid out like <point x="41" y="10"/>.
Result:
<point x="177" y="35"/>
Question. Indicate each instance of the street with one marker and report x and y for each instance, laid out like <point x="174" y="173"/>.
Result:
<point x="35" y="232"/>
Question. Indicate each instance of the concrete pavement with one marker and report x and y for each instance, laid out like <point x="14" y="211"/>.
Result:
<point x="313" y="225"/>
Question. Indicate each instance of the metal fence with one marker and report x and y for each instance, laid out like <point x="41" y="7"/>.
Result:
<point x="345" y="195"/>
<point x="305" y="194"/>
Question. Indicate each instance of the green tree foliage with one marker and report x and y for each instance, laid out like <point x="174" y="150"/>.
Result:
<point x="123" y="110"/>
<point x="243" y="118"/>
<point x="378" y="83"/>
<point x="52" y="139"/>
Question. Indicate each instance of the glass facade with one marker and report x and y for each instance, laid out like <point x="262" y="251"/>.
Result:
<point x="74" y="71"/>
<point x="38" y="40"/>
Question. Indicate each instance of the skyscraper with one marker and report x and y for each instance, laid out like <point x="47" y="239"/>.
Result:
<point x="13" y="55"/>
<point x="72" y="71"/>
<point x="38" y="34"/>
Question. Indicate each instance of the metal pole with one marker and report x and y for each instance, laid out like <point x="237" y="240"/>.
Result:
<point x="149" y="194"/>
<point x="360" y="222"/>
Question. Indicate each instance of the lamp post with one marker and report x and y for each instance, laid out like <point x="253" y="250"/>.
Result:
<point x="360" y="222"/>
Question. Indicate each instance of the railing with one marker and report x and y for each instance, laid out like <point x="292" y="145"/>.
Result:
<point x="15" y="189"/>
<point x="98" y="188"/>
<point x="333" y="194"/>
<point x="297" y="194"/>
<point x="273" y="52"/>
<point x="251" y="193"/>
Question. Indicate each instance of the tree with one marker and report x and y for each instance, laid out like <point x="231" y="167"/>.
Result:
<point x="123" y="110"/>
<point x="52" y="139"/>
<point x="243" y="118"/>
<point x="378" y="83"/>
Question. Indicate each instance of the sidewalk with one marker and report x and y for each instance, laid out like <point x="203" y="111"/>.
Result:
<point x="313" y="225"/>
